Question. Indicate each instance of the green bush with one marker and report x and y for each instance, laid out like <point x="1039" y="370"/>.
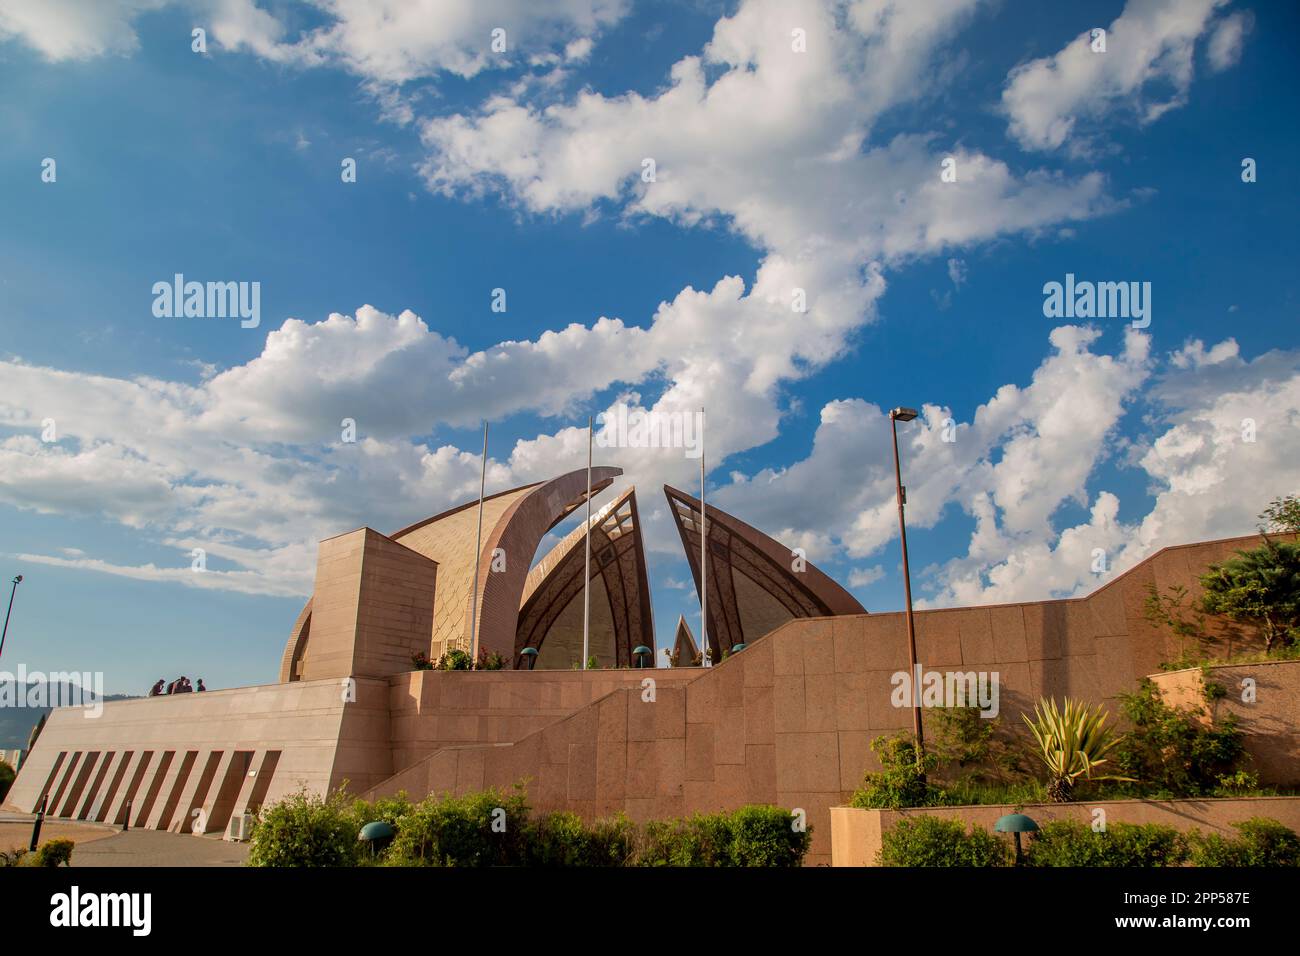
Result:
<point x="492" y="828"/>
<point x="901" y="781"/>
<point x="936" y="841"/>
<point x="52" y="853"/>
<point x="1170" y="751"/>
<point x="766" y="836"/>
<point x="7" y="774"/>
<point x="563" y="839"/>
<point x="1072" y="843"/>
<point x="489" y="828"/>
<point x="701" y="840"/>
<point x="1263" y="842"/>
<point x="304" y="830"/>
<point x="750" y="836"/>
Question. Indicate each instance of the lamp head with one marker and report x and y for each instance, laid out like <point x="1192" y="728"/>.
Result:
<point x="903" y="414"/>
<point x="18" y="579"/>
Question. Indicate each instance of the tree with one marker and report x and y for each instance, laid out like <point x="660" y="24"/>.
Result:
<point x="1260" y="587"/>
<point x="1282" y="515"/>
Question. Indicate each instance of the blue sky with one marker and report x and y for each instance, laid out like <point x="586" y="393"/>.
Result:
<point x="777" y="168"/>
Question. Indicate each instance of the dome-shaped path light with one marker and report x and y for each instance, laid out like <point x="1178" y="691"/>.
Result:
<point x="530" y="655"/>
<point x="377" y="834"/>
<point x="641" y="652"/>
<point x="1016" y="823"/>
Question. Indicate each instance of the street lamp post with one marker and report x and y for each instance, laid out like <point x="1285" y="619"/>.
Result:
<point x="18" y="579"/>
<point x="895" y="416"/>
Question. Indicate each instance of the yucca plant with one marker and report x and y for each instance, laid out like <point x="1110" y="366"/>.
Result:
<point x="1073" y="742"/>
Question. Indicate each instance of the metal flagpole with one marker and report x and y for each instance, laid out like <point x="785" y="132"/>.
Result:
<point x="478" y="545"/>
<point x="704" y="558"/>
<point x="586" y="578"/>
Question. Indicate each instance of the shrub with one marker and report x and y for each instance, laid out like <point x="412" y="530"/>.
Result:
<point x="391" y="810"/>
<point x="766" y="836"/>
<point x="563" y="839"/>
<point x="489" y="828"/>
<point x="977" y="748"/>
<point x="1171" y="752"/>
<point x="492" y="828"/>
<point x="489" y="661"/>
<point x="750" y="836"/>
<point x="304" y="830"/>
<point x="901" y="780"/>
<point x="1262" y="842"/>
<point x="1072" y="843"/>
<point x="700" y="840"/>
<point x="52" y="853"/>
<point x="936" y="841"/>
<point x="455" y="660"/>
<point x="7" y="775"/>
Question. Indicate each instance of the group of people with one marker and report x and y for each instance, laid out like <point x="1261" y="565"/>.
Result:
<point x="180" y="685"/>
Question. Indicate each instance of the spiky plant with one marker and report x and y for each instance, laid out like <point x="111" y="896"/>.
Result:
<point x="1072" y="742"/>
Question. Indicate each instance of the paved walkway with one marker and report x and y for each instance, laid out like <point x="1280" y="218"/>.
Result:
<point x="157" y="848"/>
<point x="99" y="845"/>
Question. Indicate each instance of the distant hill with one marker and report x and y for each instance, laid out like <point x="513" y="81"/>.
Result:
<point x="16" y="723"/>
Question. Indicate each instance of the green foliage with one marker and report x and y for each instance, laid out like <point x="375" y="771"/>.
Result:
<point x="1072" y="843"/>
<point x="490" y="661"/>
<point x="492" y="828"/>
<point x="1177" y="611"/>
<point x="49" y="853"/>
<point x="1260" y="588"/>
<point x="1262" y="842"/>
<point x="700" y="840"/>
<point x="1282" y="515"/>
<point x="976" y="749"/>
<point x="304" y="830"/>
<point x="901" y="781"/>
<point x="7" y="775"/>
<point x="53" y="853"/>
<point x="972" y="792"/>
<point x="750" y="836"/>
<point x="936" y="841"/>
<point x="455" y="660"/>
<point x="1073" y="742"/>
<point x="563" y="839"/>
<point x="1172" y="752"/>
<point x="766" y="836"/>
<point x="489" y="828"/>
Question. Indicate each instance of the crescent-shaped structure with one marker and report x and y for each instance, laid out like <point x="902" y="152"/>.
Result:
<point x="514" y="523"/>
<point x="755" y="583"/>
<point x="550" y="615"/>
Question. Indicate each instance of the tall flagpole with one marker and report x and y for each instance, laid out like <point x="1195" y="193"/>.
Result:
<point x="586" y="578"/>
<point x="704" y="558"/>
<point x="478" y="545"/>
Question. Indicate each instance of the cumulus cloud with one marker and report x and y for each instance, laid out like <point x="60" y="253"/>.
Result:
<point x="1224" y="437"/>
<point x="1145" y="71"/>
<point x="387" y="43"/>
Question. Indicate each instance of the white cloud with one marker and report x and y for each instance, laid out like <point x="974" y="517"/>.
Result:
<point x="862" y="577"/>
<point x="1146" y="70"/>
<point x="385" y="42"/>
<point x="1229" y="37"/>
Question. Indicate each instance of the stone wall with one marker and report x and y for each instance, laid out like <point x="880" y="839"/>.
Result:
<point x="856" y="834"/>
